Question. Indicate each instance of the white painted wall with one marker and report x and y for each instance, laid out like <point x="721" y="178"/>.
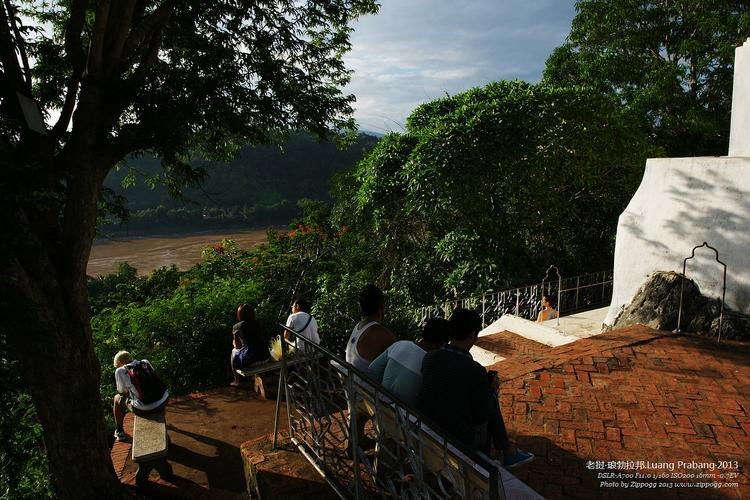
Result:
<point x="681" y="203"/>
<point x="739" y="137"/>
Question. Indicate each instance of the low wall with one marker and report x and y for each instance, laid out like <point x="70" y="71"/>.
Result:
<point x="681" y="203"/>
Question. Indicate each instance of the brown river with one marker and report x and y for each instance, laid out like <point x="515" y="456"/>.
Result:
<point x="152" y="252"/>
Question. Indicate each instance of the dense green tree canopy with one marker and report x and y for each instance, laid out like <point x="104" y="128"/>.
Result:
<point x="669" y="60"/>
<point x="487" y="188"/>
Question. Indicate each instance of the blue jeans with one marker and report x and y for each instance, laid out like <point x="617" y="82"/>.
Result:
<point x="493" y="431"/>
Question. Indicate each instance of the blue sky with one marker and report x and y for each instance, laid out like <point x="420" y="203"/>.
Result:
<point x="415" y="51"/>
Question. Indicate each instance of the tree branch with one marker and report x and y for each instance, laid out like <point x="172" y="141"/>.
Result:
<point x="119" y="27"/>
<point x="71" y="96"/>
<point x="155" y="21"/>
<point x="73" y="46"/>
<point x="96" y="49"/>
<point x="148" y="57"/>
<point x="75" y="54"/>
<point x="8" y="56"/>
<point x="21" y="46"/>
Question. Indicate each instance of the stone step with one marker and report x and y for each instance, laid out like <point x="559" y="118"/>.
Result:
<point x="282" y="473"/>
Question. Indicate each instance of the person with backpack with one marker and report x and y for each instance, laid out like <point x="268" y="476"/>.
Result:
<point x="139" y="390"/>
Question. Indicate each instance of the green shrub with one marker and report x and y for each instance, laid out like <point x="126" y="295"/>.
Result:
<point x="24" y="472"/>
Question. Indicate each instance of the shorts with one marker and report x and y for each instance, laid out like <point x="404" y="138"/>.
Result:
<point x="124" y="402"/>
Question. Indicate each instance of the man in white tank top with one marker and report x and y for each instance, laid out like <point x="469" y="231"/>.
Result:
<point x="369" y="338"/>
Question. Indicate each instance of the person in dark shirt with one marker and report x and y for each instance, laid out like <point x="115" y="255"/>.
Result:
<point x="249" y="344"/>
<point x="456" y="392"/>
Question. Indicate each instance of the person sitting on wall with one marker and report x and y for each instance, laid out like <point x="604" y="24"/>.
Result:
<point x="302" y="322"/>
<point x="456" y="393"/>
<point x="248" y="344"/>
<point x="369" y="338"/>
<point x="548" y="310"/>
<point x="139" y="390"/>
<point x="399" y="368"/>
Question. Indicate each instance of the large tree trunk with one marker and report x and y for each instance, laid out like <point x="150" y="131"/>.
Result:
<point x="47" y="322"/>
<point x="53" y="343"/>
<point x="62" y="373"/>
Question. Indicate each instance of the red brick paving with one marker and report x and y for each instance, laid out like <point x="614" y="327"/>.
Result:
<point x="507" y="344"/>
<point x="630" y="395"/>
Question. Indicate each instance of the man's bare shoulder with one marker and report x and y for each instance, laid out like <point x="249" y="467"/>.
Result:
<point x="381" y="332"/>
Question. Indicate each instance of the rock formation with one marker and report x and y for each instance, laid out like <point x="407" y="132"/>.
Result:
<point x="657" y="304"/>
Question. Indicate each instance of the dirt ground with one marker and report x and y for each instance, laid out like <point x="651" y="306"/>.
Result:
<point x="206" y="431"/>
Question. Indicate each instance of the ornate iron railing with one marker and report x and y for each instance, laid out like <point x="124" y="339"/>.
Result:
<point x="723" y="287"/>
<point x="575" y="294"/>
<point x="398" y="454"/>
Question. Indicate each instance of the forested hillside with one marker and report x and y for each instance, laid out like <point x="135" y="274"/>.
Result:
<point x="260" y="187"/>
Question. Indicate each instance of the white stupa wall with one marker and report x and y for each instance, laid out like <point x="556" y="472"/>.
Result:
<point x="683" y="202"/>
<point x="739" y="138"/>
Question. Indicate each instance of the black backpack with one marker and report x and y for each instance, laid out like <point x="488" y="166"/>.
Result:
<point x="147" y="385"/>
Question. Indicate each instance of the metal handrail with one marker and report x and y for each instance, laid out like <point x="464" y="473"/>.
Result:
<point x="559" y="288"/>
<point x="682" y="287"/>
<point x="580" y="291"/>
<point x="324" y="401"/>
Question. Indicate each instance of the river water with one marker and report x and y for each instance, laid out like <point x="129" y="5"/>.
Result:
<point x="152" y="252"/>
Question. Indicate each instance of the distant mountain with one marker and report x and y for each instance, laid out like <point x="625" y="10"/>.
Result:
<point x="378" y="135"/>
<point x="259" y="187"/>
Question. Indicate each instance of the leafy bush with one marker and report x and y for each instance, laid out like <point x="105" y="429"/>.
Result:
<point x="24" y="472"/>
<point x="487" y="188"/>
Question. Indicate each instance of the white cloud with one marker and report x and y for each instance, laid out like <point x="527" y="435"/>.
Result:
<point x="414" y="51"/>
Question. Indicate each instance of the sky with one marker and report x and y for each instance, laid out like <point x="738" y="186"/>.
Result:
<point x="414" y="51"/>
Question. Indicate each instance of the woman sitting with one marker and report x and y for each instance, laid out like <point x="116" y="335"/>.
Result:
<point x="548" y="310"/>
<point x="248" y="343"/>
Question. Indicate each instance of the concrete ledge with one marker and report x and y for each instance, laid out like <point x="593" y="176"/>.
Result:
<point x="531" y="330"/>
<point x="278" y="474"/>
<point x="484" y="357"/>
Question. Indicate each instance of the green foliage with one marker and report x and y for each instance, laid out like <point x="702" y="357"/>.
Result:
<point x="125" y="287"/>
<point x="488" y="187"/>
<point x="670" y="62"/>
<point x="24" y="472"/>
<point x="185" y="334"/>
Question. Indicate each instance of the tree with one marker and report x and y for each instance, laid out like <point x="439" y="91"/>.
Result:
<point x="128" y="76"/>
<point x="488" y="187"/>
<point x="670" y="61"/>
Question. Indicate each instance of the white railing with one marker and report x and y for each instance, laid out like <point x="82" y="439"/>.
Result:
<point x="575" y="294"/>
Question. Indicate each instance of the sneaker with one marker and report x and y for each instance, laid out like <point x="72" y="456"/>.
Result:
<point x="120" y="435"/>
<point x="519" y="458"/>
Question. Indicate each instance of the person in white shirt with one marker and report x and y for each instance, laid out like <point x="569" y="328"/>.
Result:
<point x="302" y="322"/>
<point x="127" y="394"/>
